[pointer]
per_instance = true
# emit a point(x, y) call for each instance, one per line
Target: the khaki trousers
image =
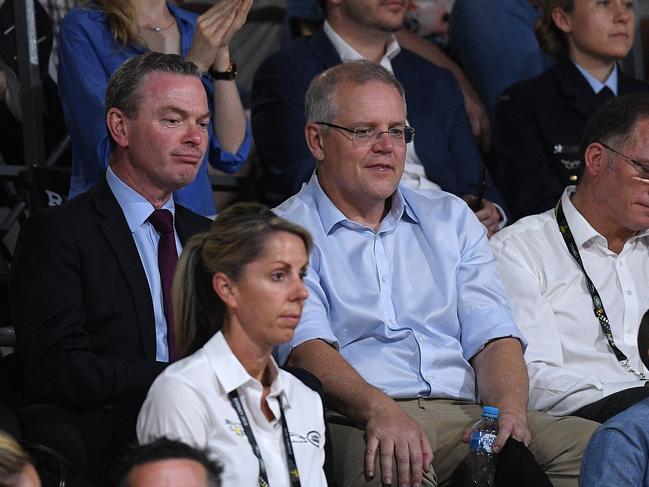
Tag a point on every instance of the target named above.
point(558, 443)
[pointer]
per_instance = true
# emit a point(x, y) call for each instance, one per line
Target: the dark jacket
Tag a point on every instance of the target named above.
point(537, 132)
point(82, 309)
point(443, 140)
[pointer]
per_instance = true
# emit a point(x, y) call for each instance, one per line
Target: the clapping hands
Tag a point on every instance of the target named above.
point(214, 31)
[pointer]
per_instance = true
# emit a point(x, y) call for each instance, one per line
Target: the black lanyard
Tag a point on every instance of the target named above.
point(293, 472)
point(598, 306)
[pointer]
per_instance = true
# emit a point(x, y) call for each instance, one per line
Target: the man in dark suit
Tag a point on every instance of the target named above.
point(445, 153)
point(88, 299)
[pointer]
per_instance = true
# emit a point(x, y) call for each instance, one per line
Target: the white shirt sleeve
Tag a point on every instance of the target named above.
point(553, 387)
point(174, 409)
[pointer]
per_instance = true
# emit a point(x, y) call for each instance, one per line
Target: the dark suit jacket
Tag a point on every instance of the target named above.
point(537, 132)
point(81, 306)
point(443, 139)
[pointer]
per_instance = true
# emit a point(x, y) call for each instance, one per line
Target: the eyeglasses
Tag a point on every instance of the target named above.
point(366, 136)
point(643, 168)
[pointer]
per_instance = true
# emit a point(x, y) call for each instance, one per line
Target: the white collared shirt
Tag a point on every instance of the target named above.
point(569, 360)
point(414, 175)
point(189, 401)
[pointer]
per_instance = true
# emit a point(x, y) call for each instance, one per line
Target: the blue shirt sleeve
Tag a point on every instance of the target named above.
point(82, 79)
point(496, 44)
point(615, 458)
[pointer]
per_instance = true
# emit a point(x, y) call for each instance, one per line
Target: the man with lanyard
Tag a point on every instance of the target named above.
point(577, 275)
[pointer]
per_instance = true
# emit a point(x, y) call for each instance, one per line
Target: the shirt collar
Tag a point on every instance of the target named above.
point(181, 15)
point(399, 209)
point(232, 374)
point(348, 53)
point(136, 208)
point(581, 230)
point(597, 85)
point(330, 215)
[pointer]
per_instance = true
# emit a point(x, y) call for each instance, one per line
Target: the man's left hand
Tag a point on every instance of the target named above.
point(510, 423)
point(488, 214)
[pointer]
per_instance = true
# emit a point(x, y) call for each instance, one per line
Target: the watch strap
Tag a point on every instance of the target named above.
point(230, 72)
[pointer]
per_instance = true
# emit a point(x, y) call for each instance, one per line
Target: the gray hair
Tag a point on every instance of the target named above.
point(319, 102)
point(123, 90)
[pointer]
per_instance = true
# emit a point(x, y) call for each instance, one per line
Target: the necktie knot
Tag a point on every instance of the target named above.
point(162, 221)
point(605, 94)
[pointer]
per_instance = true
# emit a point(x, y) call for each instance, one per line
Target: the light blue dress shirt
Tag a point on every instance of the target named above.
point(137, 209)
point(596, 84)
point(409, 304)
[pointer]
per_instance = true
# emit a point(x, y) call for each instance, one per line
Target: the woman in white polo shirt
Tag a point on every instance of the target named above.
point(239, 291)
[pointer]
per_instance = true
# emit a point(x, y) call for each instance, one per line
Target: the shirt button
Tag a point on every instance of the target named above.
point(629, 292)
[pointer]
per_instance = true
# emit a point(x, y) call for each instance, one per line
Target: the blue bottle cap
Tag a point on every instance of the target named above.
point(490, 411)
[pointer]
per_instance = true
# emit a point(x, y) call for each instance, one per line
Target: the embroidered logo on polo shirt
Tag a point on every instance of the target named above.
point(235, 427)
point(312, 437)
point(297, 438)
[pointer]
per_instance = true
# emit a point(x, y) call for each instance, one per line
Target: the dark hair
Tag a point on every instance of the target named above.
point(123, 90)
point(237, 237)
point(643, 339)
point(614, 122)
point(167, 449)
point(552, 39)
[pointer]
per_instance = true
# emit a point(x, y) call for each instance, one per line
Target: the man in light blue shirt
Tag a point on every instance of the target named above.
point(407, 324)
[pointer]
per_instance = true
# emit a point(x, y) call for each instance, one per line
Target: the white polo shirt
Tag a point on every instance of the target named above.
point(189, 402)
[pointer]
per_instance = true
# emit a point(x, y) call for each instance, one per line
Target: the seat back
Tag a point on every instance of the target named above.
point(47, 186)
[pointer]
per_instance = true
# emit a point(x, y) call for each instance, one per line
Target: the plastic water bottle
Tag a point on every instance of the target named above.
point(481, 461)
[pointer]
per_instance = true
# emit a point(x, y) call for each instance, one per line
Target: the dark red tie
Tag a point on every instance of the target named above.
point(163, 222)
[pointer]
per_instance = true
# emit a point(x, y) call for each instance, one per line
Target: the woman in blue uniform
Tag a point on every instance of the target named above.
point(539, 122)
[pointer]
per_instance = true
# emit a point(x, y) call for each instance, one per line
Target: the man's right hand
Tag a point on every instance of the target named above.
point(391, 433)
